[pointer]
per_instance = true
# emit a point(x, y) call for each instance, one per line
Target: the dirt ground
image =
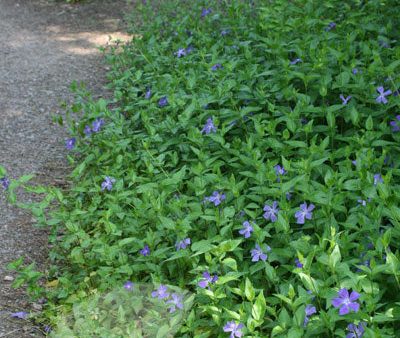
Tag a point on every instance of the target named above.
point(44, 46)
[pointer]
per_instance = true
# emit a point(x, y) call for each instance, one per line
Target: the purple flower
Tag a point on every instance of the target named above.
point(356, 331)
point(148, 94)
point(225, 32)
point(257, 254)
point(246, 230)
point(234, 329)
point(181, 52)
point(354, 71)
point(70, 143)
point(345, 99)
point(271, 212)
point(128, 286)
point(207, 280)
point(370, 245)
point(331, 26)
point(241, 213)
point(87, 131)
point(216, 198)
point(354, 162)
point(182, 244)
point(383, 44)
point(176, 302)
point(310, 310)
point(97, 124)
point(216, 67)
point(161, 292)
point(304, 213)
point(205, 11)
point(298, 263)
point(5, 182)
point(279, 171)
point(209, 127)
point(107, 183)
point(145, 251)
point(163, 102)
point(47, 328)
point(189, 50)
point(20, 315)
point(288, 196)
point(311, 294)
point(362, 202)
point(395, 124)
point(366, 263)
point(295, 61)
point(346, 302)
point(382, 95)
point(378, 179)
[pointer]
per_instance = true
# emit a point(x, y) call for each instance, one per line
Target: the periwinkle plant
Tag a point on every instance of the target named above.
point(263, 134)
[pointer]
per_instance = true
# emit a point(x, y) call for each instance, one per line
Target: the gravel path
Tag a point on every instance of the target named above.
point(44, 46)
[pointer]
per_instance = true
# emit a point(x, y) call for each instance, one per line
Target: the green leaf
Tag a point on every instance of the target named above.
point(249, 290)
point(163, 331)
point(287, 186)
point(259, 307)
point(335, 257)
point(230, 262)
point(277, 330)
point(25, 178)
point(309, 282)
point(354, 115)
point(352, 185)
point(126, 241)
point(227, 246)
point(201, 247)
point(330, 118)
point(295, 332)
point(369, 124)
point(393, 263)
point(3, 171)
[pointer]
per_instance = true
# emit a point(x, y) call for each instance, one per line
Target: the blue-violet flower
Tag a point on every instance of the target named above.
point(304, 213)
point(346, 302)
point(246, 230)
point(234, 329)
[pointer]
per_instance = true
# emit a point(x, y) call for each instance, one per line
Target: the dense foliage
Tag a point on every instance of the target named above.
point(249, 156)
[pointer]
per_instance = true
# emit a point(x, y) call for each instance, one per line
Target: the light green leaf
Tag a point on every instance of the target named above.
point(259, 307)
point(249, 290)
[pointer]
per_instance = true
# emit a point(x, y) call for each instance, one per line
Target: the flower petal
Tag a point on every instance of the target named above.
point(343, 293)
point(354, 296)
point(203, 283)
point(354, 306)
point(336, 302)
point(344, 310)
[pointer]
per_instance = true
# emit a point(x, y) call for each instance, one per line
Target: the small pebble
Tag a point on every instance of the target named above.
point(37, 306)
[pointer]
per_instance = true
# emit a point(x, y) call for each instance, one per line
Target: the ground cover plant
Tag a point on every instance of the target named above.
point(250, 156)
